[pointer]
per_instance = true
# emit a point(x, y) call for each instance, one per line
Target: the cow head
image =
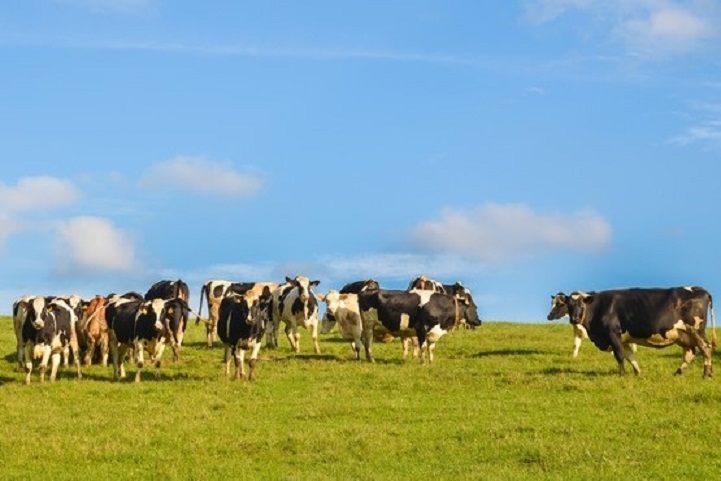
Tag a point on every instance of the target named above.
point(152, 313)
point(303, 284)
point(37, 311)
point(577, 304)
point(426, 284)
point(559, 308)
point(469, 313)
point(332, 302)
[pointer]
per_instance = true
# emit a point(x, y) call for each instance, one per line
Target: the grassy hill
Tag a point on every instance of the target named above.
point(505, 401)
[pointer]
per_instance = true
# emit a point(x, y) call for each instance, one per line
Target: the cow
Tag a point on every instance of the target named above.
point(342, 309)
point(138, 324)
point(92, 330)
point(652, 317)
point(242, 323)
point(358, 286)
point(295, 304)
point(427, 314)
point(175, 319)
point(214, 291)
point(426, 284)
point(20, 312)
point(48, 332)
point(168, 290)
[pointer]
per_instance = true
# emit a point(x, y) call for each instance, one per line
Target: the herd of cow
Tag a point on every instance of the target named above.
point(55, 329)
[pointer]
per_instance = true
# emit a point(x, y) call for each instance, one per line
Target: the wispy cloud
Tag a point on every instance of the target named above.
point(110, 6)
point(37, 193)
point(706, 128)
point(505, 232)
point(201, 176)
point(88, 245)
point(651, 28)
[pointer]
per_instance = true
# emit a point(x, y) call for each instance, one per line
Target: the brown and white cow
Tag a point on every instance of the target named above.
point(92, 331)
point(342, 310)
point(294, 304)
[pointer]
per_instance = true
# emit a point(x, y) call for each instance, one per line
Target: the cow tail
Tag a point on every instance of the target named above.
point(203, 290)
point(713, 324)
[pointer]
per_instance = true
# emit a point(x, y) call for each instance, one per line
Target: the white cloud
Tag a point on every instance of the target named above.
point(706, 129)
point(37, 193)
point(92, 244)
point(202, 176)
point(649, 27)
point(503, 232)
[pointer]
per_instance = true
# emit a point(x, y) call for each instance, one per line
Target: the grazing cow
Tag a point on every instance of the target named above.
point(242, 323)
point(92, 331)
point(168, 290)
point(214, 291)
point(358, 286)
point(294, 304)
point(657, 317)
point(428, 315)
point(176, 321)
point(137, 324)
point(48, 332)
point(342, 309)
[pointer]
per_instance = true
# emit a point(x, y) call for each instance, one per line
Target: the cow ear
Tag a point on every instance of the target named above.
point(314, 283)
point(321, 297)
point(588, 299)
point(288, 279)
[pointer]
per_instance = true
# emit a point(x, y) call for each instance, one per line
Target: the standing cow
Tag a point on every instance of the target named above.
point(93, 331)
point(657, 317)
point(295, 304)
point(343, 310)
point(242, 324)
point(140, 325)
point(175, 318)
point(48, 332)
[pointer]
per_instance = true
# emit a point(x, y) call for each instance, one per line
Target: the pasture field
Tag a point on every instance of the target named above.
point(505, 401)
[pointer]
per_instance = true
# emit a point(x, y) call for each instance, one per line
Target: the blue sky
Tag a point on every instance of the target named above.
point(522, 147)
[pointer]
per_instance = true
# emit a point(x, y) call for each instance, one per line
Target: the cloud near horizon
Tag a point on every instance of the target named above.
point(89, 245)
point(201, 176)
point(498, 233)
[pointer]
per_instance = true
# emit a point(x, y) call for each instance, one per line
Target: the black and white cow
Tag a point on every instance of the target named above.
point(176, 321)
point(243, 320)
point(20, 312)
point(168, 290)
point(427, 314)
point(294, 304)
point(424, 283)
point(656, 317)
point(559, 309)
point(48, 332)
point(358, 286)
point(137, 324)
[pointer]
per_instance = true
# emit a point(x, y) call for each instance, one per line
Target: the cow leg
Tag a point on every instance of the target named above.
point(239, 363)
point(367, 340)
point(314, 335)
point(226, 359)
point(54, 363)
point(406, 342)
point(44, 362)
point(104, 351)
point(139, 347)
point(705, 350)
point(630, 356)
point(619, 355)
point(29, 349)
point(689, 355)
point(20, 347)
point(431, 347)
point(576, 345)
point(356, 345)
point(293, 337)
point(158, 356)
point(89, 351)
point(253, 361)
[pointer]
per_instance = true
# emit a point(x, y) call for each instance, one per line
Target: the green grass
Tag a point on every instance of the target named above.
point(505, 401)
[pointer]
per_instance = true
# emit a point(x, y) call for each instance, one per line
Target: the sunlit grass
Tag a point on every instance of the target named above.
point(503, 401)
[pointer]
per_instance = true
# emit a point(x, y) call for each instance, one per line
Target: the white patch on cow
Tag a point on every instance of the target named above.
point(657, 340)
point(580, 331)
point(689, 288)
point(435, 334)
point(405, 321)
point(425, 295)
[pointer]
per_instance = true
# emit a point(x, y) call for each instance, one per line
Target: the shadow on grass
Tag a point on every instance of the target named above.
point(558, 371)
point(508, 352)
